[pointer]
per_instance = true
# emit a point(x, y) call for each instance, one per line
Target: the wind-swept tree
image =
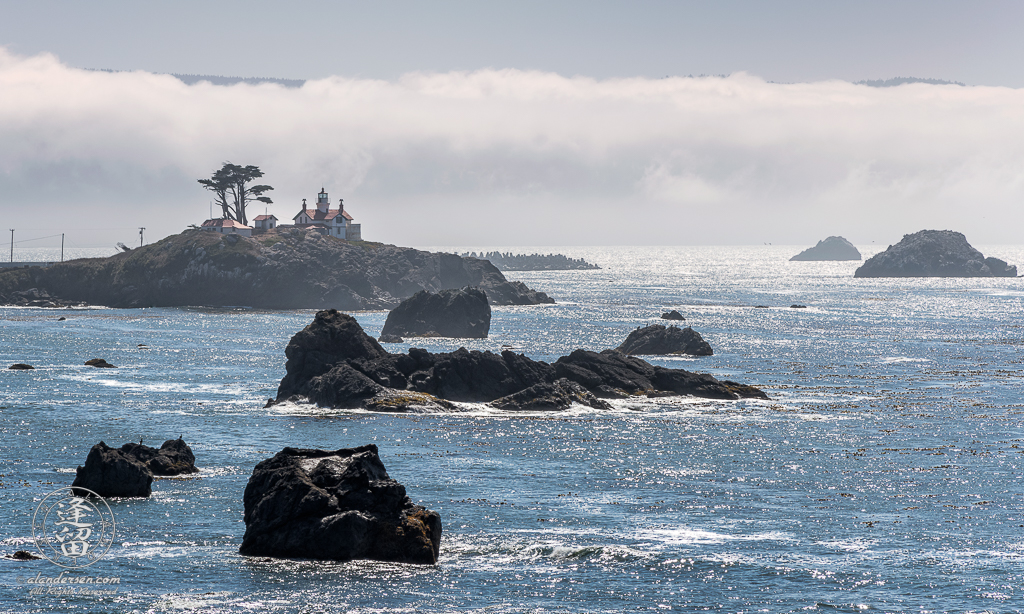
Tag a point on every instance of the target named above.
point(232, 192)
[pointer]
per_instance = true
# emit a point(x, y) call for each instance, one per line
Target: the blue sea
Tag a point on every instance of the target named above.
point(884, 475)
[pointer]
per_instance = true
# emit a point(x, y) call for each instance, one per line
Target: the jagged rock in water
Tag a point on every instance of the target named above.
point(934, 253)
point(390, 339)
point(20, 366)
point(339, 505)
point(332, 362)
point(545, 396)
point(673, 315)
point(110, 472)
point(174, 457)
point(281, 269)
point(99, 363)
point(657, 339)
point(832, 248)
point(449, 313)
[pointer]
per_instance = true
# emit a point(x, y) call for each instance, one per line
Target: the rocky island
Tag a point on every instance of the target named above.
point(281, 269)
point(832, 248)
point(335, 504)
point(934, 253)
point(333, 363)
point(533, 262)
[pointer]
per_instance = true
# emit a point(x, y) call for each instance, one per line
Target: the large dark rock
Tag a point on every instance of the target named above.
point(934, 253)
point(332, 362)
point(673, 315)
point(545, 396)
point(173, 458)
point(281, 269)
point(110, 472)
point(657, 339)
point(832, 248)
point(460, 313)
point(339, 505)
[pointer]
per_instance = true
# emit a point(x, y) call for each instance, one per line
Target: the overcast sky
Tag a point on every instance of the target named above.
point(529, 123)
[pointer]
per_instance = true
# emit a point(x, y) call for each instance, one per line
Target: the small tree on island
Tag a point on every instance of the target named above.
point(231, 192)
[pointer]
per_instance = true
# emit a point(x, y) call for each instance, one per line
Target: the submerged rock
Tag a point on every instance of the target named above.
point(832, 248)
point(99, 363)
point(20, 366)
point(449, 313)
point(333, 363)
point(657, 339)
point(23, 555)
point(934, 253)
point(339, 505)
point(110, 472)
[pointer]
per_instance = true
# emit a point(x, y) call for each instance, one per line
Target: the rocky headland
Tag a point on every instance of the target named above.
point(334, 363)
point(282, 269)
point(462, 313)
point(934, 253)
point(832, 248)
point(338, 505)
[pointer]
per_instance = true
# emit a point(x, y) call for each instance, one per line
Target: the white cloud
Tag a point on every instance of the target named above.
point(519, 157)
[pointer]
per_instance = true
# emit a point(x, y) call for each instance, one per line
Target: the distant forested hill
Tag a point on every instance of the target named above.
point(901, 80)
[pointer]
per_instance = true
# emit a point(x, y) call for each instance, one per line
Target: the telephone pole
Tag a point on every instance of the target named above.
point(12, 245)
point(141, 228)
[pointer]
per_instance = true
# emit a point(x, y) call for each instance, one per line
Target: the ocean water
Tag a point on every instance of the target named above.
point(885, 473)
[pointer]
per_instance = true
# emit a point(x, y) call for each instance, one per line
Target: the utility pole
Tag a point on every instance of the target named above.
point(62, 247)
point(12, 245)
point(141, 228)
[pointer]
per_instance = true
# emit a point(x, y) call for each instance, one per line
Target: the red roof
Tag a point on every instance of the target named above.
point(260, 218)
point(326, 216)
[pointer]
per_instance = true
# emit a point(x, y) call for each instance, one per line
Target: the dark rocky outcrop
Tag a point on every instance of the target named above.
point(20, 366)
point(548, 396)
point(282, 269)
point(657, 339)
point(110, 472)
point(390, 339)
point(23, 555)
point(832, 248)
point(99, 363)
point(934, 253)
point(460, 313)
point(339, 505)
point(174, 457)
point(332, 362)
point(673, 315)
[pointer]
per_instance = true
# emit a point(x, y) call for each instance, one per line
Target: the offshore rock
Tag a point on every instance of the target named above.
point(20, 366)
point(338, 505)
point(99, 363)
point(558, 395)
point(174, 457)
point(672, 315)
point(657, 339)
point(333, 363)
point(449, 313)
point(934, 253)
point(390, 339)
point(832, 248)
point(288, 268)
point(110, 472)
point(23, 555)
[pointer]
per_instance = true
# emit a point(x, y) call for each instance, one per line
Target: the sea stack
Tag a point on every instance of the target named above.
point(832, 248)
point(934, 253)
point(461, 313)
point(339, 505)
